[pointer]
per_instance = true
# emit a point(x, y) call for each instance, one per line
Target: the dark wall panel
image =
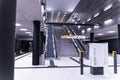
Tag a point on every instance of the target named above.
point(26, 46)
point(112, 44)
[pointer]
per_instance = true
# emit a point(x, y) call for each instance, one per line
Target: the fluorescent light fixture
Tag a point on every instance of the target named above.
point(89, 29)
point(70, 10)
point(96, 27)
point(44, 18)
point(52, 13)
point(49, 9)
point(111, 31)
point(83, 31)
point(79, 19)
point(28, 32)
point(17, 24)
point(63, 17)
point(88, 19)
point(58, 15)
point(108, 21)
point(42, 8)
point(100, 34)
point(108, 7)
point(96, 14)
point(79, 26)
point(23, 29)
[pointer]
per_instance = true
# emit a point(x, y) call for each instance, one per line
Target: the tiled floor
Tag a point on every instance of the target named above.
point(25, 71)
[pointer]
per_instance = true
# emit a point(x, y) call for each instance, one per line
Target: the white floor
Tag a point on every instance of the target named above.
point(24, 70)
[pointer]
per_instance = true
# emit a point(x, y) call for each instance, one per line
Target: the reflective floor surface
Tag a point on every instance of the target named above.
point(64, 69)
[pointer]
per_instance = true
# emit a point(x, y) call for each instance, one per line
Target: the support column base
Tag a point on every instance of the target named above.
point(97, 70)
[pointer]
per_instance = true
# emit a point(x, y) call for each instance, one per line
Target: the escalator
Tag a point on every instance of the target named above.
point(64, 47)
point(80, 43)
point(50, 50)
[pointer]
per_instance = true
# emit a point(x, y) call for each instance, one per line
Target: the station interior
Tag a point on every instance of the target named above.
point(60, 40)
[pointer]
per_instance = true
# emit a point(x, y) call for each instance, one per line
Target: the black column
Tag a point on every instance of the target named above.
point(92, 37)
point(17, 47)
point(81, 60)
point(119, 39)
point(41, 42)
point(36, 43)
point(115, 62)
point(7, 38)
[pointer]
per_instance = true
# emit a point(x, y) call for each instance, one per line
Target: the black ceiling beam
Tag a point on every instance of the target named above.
point(70, 24)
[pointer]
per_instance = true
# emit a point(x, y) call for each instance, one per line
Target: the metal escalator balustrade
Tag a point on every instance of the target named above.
point(77, 48)
point(80, 44)
point(50, 49)
point(84, 47)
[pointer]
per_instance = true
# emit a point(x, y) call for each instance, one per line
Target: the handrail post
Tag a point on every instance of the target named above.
point(81, 61)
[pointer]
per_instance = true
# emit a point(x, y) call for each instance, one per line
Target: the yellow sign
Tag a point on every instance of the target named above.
point(71, 36)
point(80, 52)
point(113, 53)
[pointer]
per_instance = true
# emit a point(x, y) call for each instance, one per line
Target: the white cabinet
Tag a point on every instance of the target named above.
point(98, 55)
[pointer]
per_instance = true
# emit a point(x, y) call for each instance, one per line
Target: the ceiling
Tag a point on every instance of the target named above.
point(73, 11)
point(60, 10)
point(27, 11)
point(97, 12)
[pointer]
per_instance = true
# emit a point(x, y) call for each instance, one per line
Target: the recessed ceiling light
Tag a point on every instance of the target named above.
point(108, 21)
point(28, 32)
point(17, 24)
point(83, 31)
point(23, 29)
point(111, 31)
point(96, 27)
point(79, 26)
point(96, 14)
point(108, 7)
point(100, 34)
point(73, 20)
point(89, 29)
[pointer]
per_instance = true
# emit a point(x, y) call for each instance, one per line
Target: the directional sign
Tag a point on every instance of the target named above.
point(70, 36)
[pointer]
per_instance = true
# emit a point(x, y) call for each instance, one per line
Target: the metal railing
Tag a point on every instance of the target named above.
point(82, 46)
